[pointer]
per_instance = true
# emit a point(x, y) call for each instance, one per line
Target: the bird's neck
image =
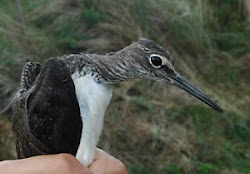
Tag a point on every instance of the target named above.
point(114, 68)
point(108, 69)
point(119, 66)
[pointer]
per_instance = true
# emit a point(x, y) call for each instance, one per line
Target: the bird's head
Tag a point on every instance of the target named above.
point(151, 61)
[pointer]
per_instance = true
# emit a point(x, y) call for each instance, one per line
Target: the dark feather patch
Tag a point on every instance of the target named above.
point(47, 119)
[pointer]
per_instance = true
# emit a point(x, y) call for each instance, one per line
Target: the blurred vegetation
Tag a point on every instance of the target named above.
point(150, 127)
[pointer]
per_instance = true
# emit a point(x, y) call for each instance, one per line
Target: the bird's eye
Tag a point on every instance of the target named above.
point(156, 61)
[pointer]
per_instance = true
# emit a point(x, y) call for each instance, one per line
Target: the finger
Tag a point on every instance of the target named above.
point(86, 171)
point(106, 164)
point(45, 164)
point(38, 164)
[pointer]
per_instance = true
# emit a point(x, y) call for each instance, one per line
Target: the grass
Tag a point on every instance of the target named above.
point(204, 168)
point(232, 144)
point(139, 170)
point(92, 17)
point(230, 75)
point(151, 128)
point(172, 169)
point(228, 26)
point(141, 10)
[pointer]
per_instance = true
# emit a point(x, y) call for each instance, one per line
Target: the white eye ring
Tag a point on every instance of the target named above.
point(156, 60)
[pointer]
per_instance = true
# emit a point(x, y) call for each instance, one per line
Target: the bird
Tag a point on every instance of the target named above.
point(61, 104)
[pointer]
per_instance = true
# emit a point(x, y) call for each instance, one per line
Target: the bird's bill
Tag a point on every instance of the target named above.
point(182, 83)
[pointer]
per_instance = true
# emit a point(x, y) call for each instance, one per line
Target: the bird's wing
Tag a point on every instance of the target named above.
point(51, 111)
point(27, 144)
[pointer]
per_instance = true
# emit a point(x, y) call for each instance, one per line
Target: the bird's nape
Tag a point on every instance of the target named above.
point(182, 83)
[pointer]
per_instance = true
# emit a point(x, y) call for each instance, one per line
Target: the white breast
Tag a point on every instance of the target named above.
point(93, 99)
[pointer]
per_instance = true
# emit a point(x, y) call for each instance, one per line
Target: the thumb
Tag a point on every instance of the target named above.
point(86, 171)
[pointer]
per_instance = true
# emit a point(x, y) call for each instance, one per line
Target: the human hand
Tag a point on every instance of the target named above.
point(63, 164)
point(106, 164)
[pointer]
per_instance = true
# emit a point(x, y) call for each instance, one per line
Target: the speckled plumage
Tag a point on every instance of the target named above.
point(29, 74)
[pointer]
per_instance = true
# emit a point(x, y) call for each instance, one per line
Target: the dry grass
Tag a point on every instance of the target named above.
point(7, 150)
